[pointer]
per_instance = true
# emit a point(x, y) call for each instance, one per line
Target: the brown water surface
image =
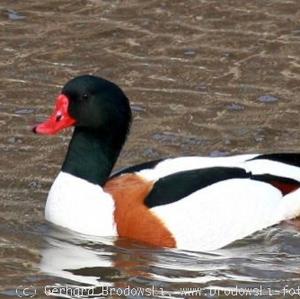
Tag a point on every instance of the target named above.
point(204, 77)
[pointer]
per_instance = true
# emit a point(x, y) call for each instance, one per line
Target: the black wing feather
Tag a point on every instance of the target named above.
point(287, 158)
point(135, 168)
point(179, 185)
point(176, 186)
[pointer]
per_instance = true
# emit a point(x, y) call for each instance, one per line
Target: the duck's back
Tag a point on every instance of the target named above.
point(207, 203)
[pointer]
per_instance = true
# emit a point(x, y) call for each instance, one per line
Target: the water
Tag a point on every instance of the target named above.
point(204, 77)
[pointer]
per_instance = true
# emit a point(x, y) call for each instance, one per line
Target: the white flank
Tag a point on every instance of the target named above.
point(290, 205)
point(174, 165)
point(81, 206)
point(219, 214)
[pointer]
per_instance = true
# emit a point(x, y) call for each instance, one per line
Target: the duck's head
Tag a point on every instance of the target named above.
point(89, 102)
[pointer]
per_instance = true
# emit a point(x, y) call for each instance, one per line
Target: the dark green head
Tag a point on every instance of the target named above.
point(98, 104)
point(101, 115)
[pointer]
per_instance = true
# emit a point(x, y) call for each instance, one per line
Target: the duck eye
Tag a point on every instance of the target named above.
point(85, 96)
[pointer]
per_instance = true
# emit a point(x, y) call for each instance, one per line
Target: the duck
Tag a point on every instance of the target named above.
point(191, 202)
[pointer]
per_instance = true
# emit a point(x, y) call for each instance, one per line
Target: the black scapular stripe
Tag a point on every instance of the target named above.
point(135, 168)
point(179, 185)
point(287, 158)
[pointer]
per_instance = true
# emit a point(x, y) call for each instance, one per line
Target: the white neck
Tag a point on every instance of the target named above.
point(81, 206)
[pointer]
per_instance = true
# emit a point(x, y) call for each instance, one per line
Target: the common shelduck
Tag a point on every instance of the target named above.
point(193, 203)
